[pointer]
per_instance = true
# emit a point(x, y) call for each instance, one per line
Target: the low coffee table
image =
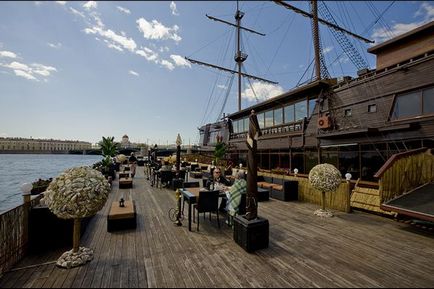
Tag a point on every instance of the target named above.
point(124, 174)
point(125, 183)
point(120, 218)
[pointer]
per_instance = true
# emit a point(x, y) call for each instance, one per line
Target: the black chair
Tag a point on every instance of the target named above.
point(166, 177)
point(208, 202)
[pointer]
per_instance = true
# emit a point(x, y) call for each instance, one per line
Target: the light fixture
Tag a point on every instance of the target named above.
point(295, 171)
point(26, 188)
point(241, 165)
point(348, 176)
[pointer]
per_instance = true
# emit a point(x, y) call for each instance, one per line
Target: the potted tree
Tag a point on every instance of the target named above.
point(76, 193)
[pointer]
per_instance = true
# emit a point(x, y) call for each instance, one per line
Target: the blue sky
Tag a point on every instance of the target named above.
point(83, 70)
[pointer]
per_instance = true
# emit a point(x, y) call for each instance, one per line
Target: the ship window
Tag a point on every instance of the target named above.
point(300, 110)
point(261, 120)
point(428, 101)
point(269, 118)
point(407, 105)
point(348, 112)
point(372, 108)
point(235, 126)
point(289, 113)
point(246, 124)
point(278, 116)
point(240, 126)
point(312, 103)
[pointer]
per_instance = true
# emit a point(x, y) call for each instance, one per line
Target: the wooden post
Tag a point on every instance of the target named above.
point(76, 235)
point(323, 200)
point(26, 206)
point(348, 198)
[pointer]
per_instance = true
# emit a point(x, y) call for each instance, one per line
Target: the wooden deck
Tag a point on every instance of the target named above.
point(348, 250)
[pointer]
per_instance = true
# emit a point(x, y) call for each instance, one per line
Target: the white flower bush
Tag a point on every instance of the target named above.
point(325, 178)
point(77, 193)
point(121, 158)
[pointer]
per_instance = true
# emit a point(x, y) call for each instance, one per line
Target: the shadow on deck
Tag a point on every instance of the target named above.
point(348, 250)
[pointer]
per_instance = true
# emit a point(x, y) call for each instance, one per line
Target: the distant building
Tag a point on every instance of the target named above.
point(41, 145)
point(125, 143)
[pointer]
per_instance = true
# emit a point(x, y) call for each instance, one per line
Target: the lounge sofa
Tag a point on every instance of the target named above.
point(280, 189)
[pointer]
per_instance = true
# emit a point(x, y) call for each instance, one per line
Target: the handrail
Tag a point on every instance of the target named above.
point(389, 163)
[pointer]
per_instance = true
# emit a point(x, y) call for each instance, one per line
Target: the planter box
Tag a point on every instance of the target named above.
point(47, 231)
point(251, 235)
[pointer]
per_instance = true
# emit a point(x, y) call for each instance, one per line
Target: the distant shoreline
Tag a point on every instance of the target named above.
point(20, 152)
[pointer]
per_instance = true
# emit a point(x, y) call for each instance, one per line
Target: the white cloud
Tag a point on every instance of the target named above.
point(149, 54)
point(164, 49)
point(173, 8)
point(426, 10)
point(132, 72)
point(61, 2)
point(327, 49)
point(90, 5)
point(179, 60)
point(29, 71)
point(262, 91)
point(55, 46)
point(38, 3)
point(156, 30)
point(7, 54)
point(114, 46)
point(125, 42)
point(42, 69)
point(169, 65)
point(18, 65)
point(76, 12)
point(24, 74)
point(122, 9)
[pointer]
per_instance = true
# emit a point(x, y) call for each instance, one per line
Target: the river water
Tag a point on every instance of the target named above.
point(17, 169)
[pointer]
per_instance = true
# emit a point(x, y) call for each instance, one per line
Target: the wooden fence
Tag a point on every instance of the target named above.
point(404, 172)
point(14, 233)
point(339, 200)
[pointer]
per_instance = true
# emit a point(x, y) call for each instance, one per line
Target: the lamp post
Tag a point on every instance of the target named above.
point(178, 160)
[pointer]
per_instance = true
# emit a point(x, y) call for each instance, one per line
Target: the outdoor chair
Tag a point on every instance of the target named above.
point(208, 202)
point(166, 177)
point(241, 209)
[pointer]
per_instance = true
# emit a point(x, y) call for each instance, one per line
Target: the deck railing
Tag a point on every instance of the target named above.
point(14, 233)
point(405, 171)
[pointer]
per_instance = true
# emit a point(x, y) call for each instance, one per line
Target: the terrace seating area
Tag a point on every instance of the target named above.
point(348, 250)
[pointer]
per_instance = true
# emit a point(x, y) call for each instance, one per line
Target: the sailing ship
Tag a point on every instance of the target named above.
point(356, 124)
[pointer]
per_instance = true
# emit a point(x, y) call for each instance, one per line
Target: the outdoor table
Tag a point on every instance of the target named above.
point(121, 217)
point(124, 174)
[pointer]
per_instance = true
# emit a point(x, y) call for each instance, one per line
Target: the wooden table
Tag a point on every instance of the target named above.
point(125, 183)
point(121, 217)
point(124, 174)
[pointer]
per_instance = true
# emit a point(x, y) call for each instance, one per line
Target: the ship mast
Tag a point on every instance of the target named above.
point(239, 58)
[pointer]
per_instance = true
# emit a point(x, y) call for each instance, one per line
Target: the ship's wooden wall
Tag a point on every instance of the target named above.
point(400, 52)
point(379, 90)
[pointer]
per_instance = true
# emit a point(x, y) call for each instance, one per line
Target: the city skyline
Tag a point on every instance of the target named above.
point(83, 70)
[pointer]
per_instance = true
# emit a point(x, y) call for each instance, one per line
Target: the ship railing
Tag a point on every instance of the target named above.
point(295, 127)
point(14, 230)
point(405, 171)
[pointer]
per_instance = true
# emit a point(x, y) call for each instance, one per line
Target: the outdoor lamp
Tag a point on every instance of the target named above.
point(122, 203)
point(26, 188)
point(348, 176)
point(295, 171)
point(241, 165)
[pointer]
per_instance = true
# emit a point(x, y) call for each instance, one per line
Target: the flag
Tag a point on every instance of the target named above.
point(254, 130)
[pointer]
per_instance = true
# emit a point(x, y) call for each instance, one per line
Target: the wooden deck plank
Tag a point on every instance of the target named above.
point(348, 250)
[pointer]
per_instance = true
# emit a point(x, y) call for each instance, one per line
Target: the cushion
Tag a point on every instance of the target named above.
point(277, 187)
